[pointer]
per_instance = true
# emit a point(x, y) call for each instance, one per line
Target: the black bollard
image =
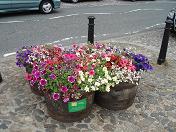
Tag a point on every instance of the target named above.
point(164, 45)
point(91, 29)
point(0, 78)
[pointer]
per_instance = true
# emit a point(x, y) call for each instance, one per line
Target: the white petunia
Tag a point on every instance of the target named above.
point(93, 88)
point(81, 73)
point(79, 81)
point(97, 84)
point(108, 77)
point(105, 69)
point(93, 60)
point(77, 53)
point(82, 78)
point(107, 59)
point(104, 81)
point(113, 84)
point(108, 87)
point(90, 80)
point(86, 89)
point(114, 78)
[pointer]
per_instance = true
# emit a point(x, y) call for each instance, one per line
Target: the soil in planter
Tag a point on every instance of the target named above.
point(36, 90)
point(66, 112)
point(120, 97)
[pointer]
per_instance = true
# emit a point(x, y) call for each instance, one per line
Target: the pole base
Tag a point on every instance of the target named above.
point(160, 61)
point(0, 78)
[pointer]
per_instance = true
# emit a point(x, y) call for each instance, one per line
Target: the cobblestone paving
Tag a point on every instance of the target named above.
point(154, 108)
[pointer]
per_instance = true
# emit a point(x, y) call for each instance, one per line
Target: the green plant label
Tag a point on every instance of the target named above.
point(77, 106)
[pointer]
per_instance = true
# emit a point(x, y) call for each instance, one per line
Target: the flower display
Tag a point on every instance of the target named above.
point(66, 74)
point(107, 66)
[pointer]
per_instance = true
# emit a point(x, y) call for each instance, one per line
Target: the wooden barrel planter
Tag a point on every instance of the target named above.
point(70, 111)
point(35, 89)
point(120, 97)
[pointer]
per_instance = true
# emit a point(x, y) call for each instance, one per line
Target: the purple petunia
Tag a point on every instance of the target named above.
point(147, 66)
point(56, 96)
point(140, 58)
point(52, 76)
point(43, 82)
point(71, 79)
point(142, 63)
point(22, 56)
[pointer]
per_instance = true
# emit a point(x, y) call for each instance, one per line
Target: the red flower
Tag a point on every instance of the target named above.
point(108, 65)
point(85, 68)
point(114, 58)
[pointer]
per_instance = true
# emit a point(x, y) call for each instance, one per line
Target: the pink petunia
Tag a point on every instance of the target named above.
point(91, 72)
point(36, 67)
point(43, 82)
point(93, 66)
point(43, 72)
point(66, 100)
point(64, 89)
point(123, 62)
point(70, 56)
point(51, 68)
point(56, 96)
point(104, 55)
point(37, 74)
point(28, 76)
point(71, 79)
point(131, 68)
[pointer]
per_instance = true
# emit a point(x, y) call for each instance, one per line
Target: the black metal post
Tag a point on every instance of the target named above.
point(164, 45)
point(91, 29)
point(0, 78)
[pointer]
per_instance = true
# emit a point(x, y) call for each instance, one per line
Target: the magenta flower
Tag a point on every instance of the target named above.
point(52, 76)
point(70, 56)
point(51, 68)
point(71, 79)
point(43, 72)
point(56, 96)
point(34, 79)
point(64, 89)
point(59, 67)
point(33, 71)
point(32, 83)
point(66, 100)
point(37, 74)
point(36, 67)
point(43, 82)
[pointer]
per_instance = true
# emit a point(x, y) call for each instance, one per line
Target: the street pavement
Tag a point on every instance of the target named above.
point(154, 108)
point(69, 24)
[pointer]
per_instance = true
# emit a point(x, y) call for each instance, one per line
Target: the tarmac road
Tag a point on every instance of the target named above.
point(69, 24)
